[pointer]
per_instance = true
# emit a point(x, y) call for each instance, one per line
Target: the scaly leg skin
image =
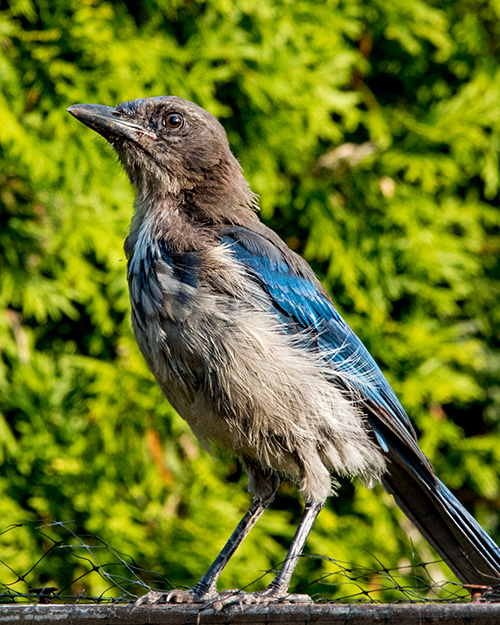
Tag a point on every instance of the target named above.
point(278, 588)
point(206, 589)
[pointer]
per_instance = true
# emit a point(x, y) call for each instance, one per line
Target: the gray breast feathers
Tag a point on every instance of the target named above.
point(226, 365)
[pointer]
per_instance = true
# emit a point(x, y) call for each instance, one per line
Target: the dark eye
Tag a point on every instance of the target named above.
point(173, 120)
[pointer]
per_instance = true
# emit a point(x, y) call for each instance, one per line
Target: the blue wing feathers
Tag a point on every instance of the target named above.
point(298, 298)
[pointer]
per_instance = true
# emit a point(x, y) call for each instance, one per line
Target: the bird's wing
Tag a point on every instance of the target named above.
point(296, 295)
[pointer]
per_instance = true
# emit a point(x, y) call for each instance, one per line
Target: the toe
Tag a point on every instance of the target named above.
point(153, 596)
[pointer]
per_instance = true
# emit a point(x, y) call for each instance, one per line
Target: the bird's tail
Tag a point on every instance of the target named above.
point(457, 537)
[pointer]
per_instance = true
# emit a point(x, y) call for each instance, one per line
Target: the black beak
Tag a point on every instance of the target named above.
point(108, 122)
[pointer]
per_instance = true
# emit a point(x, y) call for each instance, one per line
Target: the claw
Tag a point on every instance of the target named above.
point(182, 596)
point(155, 597)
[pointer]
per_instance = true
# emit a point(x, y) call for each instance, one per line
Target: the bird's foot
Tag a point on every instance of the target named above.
point(155, 597)
point(218, 600)
point(241, 598)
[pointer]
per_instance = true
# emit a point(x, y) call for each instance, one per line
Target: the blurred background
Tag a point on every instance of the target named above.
point(371, 131)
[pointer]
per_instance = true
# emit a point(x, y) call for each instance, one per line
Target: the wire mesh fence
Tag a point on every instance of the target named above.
point(95, 564)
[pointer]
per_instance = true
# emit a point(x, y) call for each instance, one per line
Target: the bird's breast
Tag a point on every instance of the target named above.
point(237, 375)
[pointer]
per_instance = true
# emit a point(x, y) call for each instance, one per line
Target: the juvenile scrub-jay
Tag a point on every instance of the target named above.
point(249, 349)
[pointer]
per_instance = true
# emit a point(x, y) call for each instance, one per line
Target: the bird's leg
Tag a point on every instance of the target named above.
point(208, 582)
point(279, 586)
point(206, 588)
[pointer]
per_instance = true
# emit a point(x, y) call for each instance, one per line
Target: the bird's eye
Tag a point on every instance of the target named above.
point(174, 120)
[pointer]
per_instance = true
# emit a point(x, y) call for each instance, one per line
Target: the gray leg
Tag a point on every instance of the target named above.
point(206, 587)
point(279, 586)
point(208, 582)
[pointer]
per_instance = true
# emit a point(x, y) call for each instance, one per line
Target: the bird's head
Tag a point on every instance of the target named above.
point(171, 147)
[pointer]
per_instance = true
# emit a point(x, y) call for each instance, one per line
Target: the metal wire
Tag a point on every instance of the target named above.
point(126, 581)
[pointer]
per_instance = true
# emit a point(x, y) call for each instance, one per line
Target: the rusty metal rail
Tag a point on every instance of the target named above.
point(297, 614)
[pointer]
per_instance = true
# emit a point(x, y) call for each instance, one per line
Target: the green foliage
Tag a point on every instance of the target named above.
point(401, 222)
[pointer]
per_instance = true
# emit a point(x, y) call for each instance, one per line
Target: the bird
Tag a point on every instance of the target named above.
point(249, 349)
